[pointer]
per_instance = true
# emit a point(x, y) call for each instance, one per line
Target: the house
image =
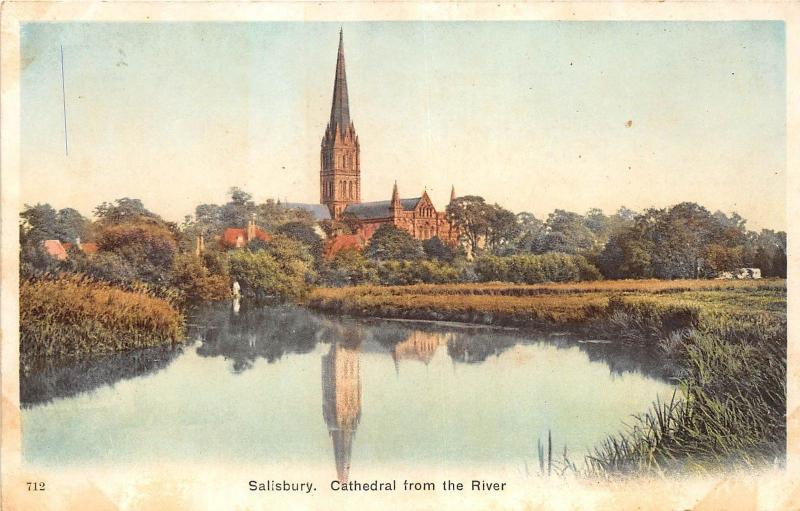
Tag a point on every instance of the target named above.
point(58, 250)
point(741, 273)
point(234, 237)
point(342, 243)
point(55, 249)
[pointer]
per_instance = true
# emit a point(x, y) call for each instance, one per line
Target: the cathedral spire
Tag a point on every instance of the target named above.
point(395, 196)
point(453, 193)
point(340, 107)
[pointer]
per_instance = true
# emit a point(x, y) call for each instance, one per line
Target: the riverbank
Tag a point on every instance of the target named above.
point(74, 318)
point(728, 339)
point(636, 310)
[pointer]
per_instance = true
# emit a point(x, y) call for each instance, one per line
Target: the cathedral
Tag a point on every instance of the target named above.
point(340, 180)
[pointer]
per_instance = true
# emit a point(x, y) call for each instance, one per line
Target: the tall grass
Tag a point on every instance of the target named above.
point(731, 412)
point(71, 316)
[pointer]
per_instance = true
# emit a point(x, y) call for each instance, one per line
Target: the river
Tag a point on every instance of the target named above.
point(283, 384)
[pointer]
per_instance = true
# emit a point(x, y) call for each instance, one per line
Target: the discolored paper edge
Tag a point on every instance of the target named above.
point(208, 486)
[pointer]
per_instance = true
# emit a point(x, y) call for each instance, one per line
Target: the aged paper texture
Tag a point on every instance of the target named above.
point(399, 255)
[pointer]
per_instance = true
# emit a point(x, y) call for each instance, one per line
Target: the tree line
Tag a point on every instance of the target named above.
point(137, 247)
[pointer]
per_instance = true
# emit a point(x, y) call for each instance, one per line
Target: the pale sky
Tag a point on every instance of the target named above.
point(532, 115)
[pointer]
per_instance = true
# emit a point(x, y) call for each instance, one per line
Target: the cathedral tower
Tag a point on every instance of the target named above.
point(340, 158)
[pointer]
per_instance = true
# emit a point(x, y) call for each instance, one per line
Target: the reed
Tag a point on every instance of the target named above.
point(72, 317)
point(731, 412)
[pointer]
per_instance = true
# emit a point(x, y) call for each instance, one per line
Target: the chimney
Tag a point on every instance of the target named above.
point(200, 245)
point(78, 242)
point(251, 228)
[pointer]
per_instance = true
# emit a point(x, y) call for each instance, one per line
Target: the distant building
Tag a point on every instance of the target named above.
point(55, 249)
point(58, 250)
point(234, 237)
point(741, 273)
point(342, 243)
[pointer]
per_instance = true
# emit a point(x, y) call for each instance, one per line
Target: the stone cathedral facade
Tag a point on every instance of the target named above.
point(340, 179)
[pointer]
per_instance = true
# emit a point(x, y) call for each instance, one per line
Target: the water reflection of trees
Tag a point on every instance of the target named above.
point(253, 333)
point(61, 382)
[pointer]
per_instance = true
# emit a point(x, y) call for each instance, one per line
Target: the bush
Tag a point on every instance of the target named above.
point(149, 248)
point(71, 316)
point(396, 273)
point(195, 281)
point(534, 269)
point(348, 268)
point(392, 243)
point(261, 275)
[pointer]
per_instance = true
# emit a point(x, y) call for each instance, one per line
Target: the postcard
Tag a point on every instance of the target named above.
point(399, 255)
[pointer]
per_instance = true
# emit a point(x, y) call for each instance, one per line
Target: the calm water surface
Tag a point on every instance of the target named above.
point(285, 385)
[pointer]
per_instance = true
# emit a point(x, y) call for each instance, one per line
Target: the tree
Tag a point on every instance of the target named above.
point(238, 211)
point(39, 223)
point(503, 229)
point(597, 222)
point(196, 283)
point(71, 225)
point(470, 215)
point(531, 232)
point(305, 234)
point(436, 249)
point(261, 275)
point(122, 210)
point(348, 268)
point(389, 242)
point(567, 233)
point(149, 248)
point(680, 235)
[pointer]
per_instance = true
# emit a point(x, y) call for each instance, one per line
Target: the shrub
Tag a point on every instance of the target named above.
point(348, 268)
point(195, 281)
point(392, 243)
point(72, 316)
point(261, 275)
point(149, 248)
point(534, 269)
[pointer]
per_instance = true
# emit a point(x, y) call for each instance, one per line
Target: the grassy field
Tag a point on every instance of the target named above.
point(728, 338)
point(623, 305)
point(70, 317)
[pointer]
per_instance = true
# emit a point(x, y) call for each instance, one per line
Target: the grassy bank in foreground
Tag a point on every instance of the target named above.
point(728, 338)
point(70, 317)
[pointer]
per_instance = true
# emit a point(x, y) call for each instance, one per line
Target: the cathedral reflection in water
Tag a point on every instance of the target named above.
point(341, 386)
point(341, 402)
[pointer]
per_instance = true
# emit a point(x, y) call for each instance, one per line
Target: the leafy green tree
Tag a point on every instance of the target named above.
point(193, 279)
point(42, 222)
point(531, 232)
point(566, 233)
point(305, 234)
point(149, 248)
point(71, 225)
point(435, 248)
point(471, 216)
point(389, 242)
point(122, 210)
point(503, 229)
point(261, 275)
point(348, 268)
point(680, 235)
